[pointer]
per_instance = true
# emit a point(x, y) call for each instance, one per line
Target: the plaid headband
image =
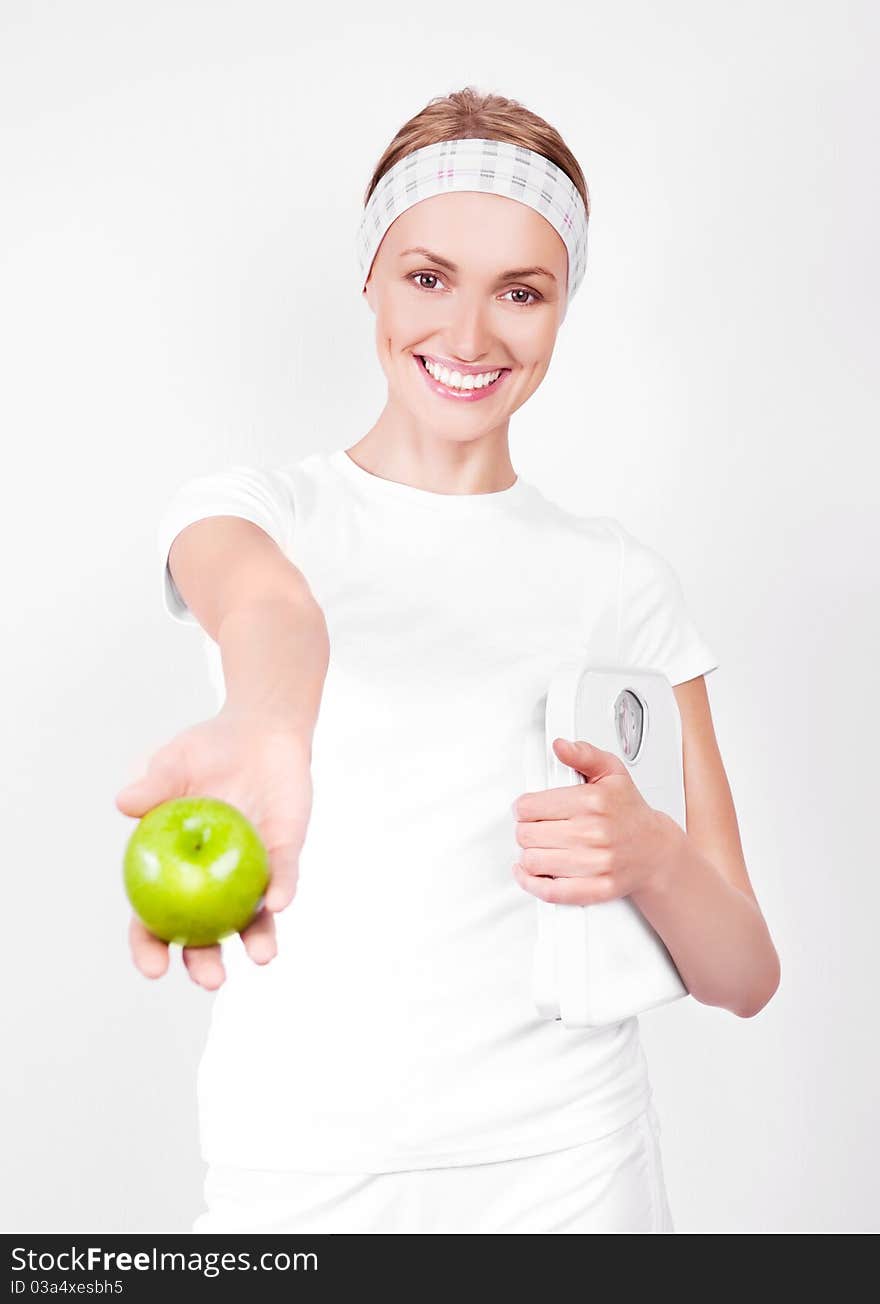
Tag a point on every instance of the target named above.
point(494, 166)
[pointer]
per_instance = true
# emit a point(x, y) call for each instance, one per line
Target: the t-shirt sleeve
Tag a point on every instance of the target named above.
point(655, 628)
point(258, 494)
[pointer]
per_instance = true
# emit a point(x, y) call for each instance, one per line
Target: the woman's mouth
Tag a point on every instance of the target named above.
point(483, 387)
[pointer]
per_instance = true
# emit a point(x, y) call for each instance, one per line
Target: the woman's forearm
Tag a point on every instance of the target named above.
point(716, 935)
point(275, 652)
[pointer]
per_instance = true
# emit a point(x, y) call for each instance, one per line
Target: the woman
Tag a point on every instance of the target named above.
point(388, 1070)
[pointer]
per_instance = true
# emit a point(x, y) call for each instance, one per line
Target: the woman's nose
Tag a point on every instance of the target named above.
point(470, 338)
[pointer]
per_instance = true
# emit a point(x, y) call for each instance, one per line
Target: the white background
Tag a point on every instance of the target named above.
point(182, 185)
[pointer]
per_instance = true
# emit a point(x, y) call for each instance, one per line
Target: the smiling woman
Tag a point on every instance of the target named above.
point(467, 284)
point(388, 1070)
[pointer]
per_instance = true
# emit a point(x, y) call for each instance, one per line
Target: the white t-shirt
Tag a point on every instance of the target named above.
point(396, 1028)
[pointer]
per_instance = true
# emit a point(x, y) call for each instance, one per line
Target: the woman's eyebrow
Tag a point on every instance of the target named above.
point(514, 274)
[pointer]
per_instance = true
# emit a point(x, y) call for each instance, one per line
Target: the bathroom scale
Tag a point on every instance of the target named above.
point(600, 963)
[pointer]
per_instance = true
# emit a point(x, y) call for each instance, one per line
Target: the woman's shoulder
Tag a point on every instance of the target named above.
point(587, 526)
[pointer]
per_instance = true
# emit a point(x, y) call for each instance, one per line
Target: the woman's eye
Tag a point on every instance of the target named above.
point(522, 290)
point(431, 276)
point(417, 277)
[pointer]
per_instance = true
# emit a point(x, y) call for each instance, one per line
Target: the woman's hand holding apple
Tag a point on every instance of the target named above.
point(264, 770)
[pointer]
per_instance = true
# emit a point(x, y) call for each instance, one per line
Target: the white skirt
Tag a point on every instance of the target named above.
point(612, 1184)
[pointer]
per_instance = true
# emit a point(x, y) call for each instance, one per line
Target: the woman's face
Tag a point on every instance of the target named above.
point(477, 301)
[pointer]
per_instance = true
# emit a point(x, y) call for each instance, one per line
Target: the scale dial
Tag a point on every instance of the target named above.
point(629, 722)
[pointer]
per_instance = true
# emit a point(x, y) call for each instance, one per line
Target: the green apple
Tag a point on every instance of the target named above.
point(195, 870)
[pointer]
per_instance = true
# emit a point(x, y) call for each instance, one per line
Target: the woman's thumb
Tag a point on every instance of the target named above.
point(283, 871)
point(163, 780)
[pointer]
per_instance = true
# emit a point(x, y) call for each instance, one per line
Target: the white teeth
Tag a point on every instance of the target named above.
point(454, 380)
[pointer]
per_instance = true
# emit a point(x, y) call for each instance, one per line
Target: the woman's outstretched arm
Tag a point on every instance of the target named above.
point(255, 753)
point(260, 610)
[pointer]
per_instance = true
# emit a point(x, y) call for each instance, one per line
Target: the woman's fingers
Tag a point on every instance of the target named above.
point(259, 938)
point(149, 952)
point(205, 965)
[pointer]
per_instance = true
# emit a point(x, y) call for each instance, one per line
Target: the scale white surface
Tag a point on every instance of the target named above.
point(601, 963)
